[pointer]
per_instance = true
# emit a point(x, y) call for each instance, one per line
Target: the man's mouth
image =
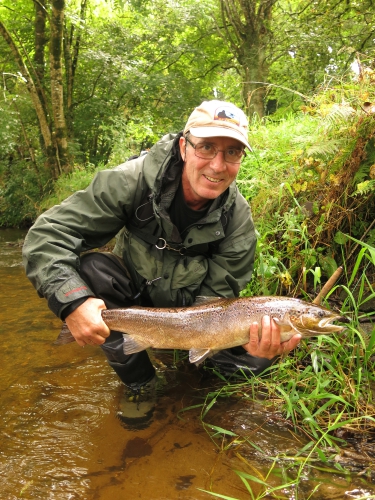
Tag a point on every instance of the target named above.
point(211, 179)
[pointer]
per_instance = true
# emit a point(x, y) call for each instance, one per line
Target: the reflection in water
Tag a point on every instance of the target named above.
point(60, 438)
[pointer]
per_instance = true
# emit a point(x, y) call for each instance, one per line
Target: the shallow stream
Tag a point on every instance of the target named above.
point(60, 437)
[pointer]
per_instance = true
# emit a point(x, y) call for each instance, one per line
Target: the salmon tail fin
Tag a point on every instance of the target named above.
point(65, 336)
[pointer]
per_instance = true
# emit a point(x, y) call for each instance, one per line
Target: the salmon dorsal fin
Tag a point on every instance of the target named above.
point(198, 355)
point(132, 346)
point(201, 300)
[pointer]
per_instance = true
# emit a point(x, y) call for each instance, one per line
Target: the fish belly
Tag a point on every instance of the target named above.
point(180, 330)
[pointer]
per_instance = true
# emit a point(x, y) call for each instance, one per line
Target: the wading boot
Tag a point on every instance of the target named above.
point(137, 405)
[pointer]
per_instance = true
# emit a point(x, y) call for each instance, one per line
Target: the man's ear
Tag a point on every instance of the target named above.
point(182, 145)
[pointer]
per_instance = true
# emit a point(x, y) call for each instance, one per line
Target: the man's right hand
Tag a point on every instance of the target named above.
point(86, 323)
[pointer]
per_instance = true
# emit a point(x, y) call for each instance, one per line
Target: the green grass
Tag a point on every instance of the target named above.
point(325, 391)
point(68, 184)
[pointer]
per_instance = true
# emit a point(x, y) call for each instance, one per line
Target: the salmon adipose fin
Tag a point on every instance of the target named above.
point(202, 300)
point(132, 346)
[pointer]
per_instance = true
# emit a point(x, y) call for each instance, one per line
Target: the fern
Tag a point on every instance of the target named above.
point(343, 156)
point(338, 114)
point(362, 174)
point(365, 187)
point(326, 147)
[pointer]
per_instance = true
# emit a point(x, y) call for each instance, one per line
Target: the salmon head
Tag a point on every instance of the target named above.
point(311, 320)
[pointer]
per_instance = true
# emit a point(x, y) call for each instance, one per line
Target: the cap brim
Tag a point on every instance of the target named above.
point(204, 132)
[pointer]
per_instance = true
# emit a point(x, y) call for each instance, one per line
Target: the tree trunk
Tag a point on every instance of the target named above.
point(40, 39)
point(57, 89)
point(72, 45)
point(255, 72)
point(34, 94)
point(246, 28)
point(53, 130)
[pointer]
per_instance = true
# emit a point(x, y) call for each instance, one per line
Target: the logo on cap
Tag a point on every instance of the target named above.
point(226, 114)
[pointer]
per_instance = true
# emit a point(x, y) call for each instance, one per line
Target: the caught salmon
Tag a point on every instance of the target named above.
point(213, 323)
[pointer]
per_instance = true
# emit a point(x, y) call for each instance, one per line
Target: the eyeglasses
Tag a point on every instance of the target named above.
point(208, 151)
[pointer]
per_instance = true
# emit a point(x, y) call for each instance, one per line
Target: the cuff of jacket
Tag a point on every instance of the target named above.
point(70, 291)
point(69, 308)
point(237, 359)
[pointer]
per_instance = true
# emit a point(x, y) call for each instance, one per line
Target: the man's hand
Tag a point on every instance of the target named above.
point(86, 323)
point(269, 346)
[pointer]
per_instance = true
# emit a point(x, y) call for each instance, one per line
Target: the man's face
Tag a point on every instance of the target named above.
point(206, 179)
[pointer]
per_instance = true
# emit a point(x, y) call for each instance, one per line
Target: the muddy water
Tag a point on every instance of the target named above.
point(60, 437)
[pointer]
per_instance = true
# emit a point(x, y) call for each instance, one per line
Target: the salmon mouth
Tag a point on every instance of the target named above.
point(324, 326)
point(326, 323)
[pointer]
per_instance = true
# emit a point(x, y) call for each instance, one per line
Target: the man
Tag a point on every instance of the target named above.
point(183, 230)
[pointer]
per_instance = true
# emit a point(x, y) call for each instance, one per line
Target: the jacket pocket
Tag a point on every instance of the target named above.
point(189, 271)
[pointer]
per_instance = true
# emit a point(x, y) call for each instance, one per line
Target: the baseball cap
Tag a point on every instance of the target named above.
point(218, 119)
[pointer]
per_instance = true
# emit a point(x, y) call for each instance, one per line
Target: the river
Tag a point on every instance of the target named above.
point(60, 437)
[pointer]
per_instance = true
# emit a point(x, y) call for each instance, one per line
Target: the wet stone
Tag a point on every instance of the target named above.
point(184, 482)
point(136, 448)
point(180, 447)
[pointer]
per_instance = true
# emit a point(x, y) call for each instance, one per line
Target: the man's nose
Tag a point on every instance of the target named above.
point(218, 163)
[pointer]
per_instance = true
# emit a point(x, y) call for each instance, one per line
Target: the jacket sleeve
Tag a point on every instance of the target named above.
point(231, 264)
point(88, 219)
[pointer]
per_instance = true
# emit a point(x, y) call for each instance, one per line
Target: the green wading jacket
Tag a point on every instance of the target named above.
point(215, 258)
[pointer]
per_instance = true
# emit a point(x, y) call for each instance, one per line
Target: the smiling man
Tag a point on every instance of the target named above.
point(183, 230)
point(208, 170)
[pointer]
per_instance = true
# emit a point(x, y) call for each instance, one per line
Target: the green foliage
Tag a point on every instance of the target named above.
point(142, 66)
point(22, 188)
point(67, 184)
point(365, 187)
point(313, 40)
point(305, 173)
point(150, 66)
point(8, 131)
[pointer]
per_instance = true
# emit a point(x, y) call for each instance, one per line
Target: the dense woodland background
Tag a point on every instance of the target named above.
point(87, 83)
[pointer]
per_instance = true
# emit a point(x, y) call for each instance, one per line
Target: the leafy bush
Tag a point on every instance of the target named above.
point(23, 186)
point(309, 179)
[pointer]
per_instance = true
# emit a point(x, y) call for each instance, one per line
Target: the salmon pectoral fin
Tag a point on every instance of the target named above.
point(132, 346)
point(65, 336)
point(198, 355)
